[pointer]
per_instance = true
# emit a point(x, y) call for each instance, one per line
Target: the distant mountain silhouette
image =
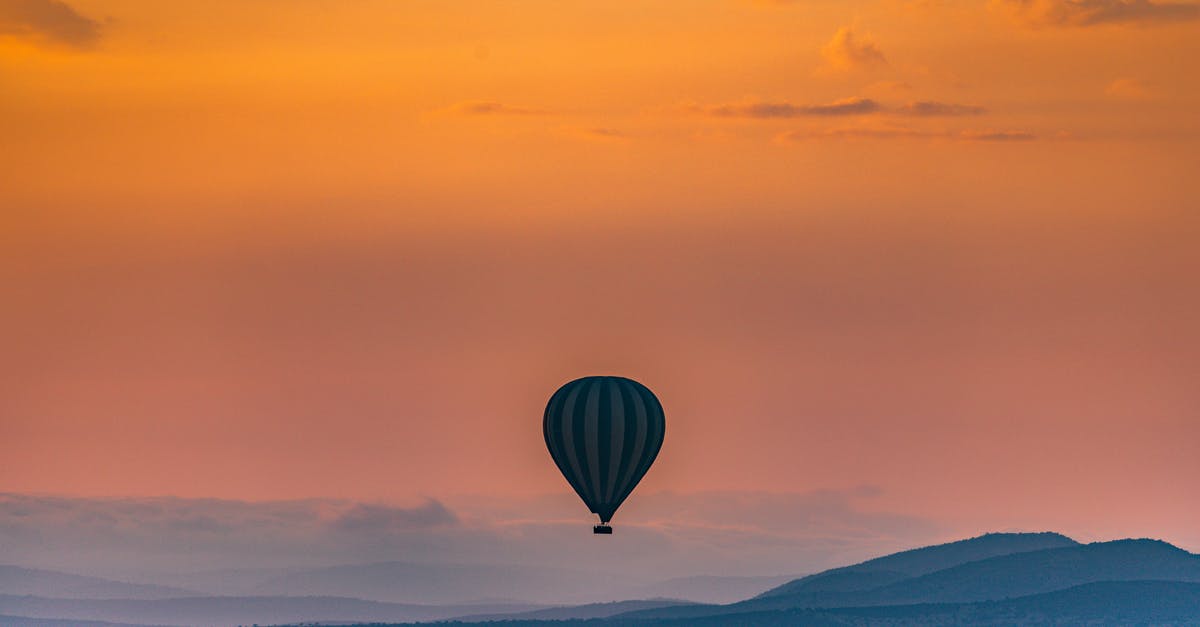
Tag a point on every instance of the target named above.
point(590, 610)
point(1103, 604)
point(18, 580)
point(407, 582)
point(709, 588)
point(846, 586)
point(1106, 602)
point(23, 621)
point(1096, 604)
point(1035, 572)
point(1013, 579)
point(222, 582)
point(238, 610)
point(905, 564)
point(1018, 574)
point(996, 578)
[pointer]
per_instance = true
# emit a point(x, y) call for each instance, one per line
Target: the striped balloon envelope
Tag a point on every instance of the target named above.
point(603, 433)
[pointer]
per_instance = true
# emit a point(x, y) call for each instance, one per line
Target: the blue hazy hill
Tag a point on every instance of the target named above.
point(235, 610)
point(1035, 572)
point(905, 564)
point(1014, 579)
point(846, 586)
point(996, 579)
point(1003, 576)
point(18, 580)
point(1101, 604)
point(589, 610)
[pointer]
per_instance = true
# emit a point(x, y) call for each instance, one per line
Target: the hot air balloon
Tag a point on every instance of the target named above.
point(603, 433)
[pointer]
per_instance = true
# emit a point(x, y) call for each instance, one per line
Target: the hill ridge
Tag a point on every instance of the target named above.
point(994, 577)
point(977, 547)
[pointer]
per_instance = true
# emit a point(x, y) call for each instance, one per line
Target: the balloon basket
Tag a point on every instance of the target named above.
point(602, 529)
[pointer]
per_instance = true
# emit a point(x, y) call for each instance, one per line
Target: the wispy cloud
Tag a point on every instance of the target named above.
point(845, 107)
point(930, 108)
point(1128, 89)
point(1057, 13)
point(996, 136)
point(851, 51)
point(48, 22)
point(663, 534)
point(851, 133)
point(901, 132)
point(596, 133)
point(368, 518)
point(491, 107)
point(774, 110)
point(610, 133)
point(889, 86)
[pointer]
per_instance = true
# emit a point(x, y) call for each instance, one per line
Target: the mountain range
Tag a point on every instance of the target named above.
point(1001, 578)
point(1013, 579)
point(15, 580)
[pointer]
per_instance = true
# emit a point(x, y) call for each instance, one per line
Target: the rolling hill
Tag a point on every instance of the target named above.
point(16, 580)
point(1001, 577)
point(987, 569)
point(237, 610)
point(590, 610)
point(847, 586)
point(24, 621)
point(1102, 604)
point(1036, 572)
point(1013, 579)
point(709, 588)
point(905, 564)
point(405, 582)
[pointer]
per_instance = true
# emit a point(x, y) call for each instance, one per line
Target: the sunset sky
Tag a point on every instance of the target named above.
point(936, 258)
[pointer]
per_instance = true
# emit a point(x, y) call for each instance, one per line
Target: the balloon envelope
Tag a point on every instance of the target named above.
point(603, 433)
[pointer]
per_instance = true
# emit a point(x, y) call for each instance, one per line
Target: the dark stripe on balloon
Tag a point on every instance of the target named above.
point(630, 398)
point(591, 438)
point(551, 430)
point(570, 440)
point(552, 427)
point(654, 434)
point(578, 444)
point(604, 422)
point(616, 436)
point(639, 444)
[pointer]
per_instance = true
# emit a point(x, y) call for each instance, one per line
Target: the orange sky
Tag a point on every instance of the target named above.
point(290, 249)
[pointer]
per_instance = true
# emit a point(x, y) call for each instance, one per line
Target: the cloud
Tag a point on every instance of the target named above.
point(772, 110)
point(853, 133)
point(889, 86)
point(663, 534)
point(840, 108)
point(610, 133)
point(596, 134)
point(929, 108)
point(489, 107)
point(1058, 13)
point(848, 51)
point(366, 518)
point(1128, 89)
point(48, 22)
point(900, 132)
point(996, 136)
